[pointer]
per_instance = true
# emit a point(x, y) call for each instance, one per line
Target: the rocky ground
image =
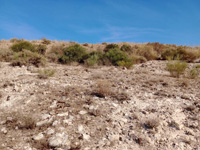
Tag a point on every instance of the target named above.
point(103, 108)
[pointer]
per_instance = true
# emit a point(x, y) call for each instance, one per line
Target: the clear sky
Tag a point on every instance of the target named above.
point(97, 21)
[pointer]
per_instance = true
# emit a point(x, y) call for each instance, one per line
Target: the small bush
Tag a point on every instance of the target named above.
point(197, 66)
point(126, 48)
point(45, 41)
point(102, 89)
point(15, 40)
point(85, 44)
point(110, 46)
point(41, 49)
point(18, 47)
point(152, 123)
point(128, 64)
point(179, 53)
point(176, 68)
point(138, 59)
point(6, 55)
point(116, 57)
point(74, 53)
point(44, 74)
point(193, 73)
point(159, 48)
point(27, 58)
point(148, 52)
point(92, 60)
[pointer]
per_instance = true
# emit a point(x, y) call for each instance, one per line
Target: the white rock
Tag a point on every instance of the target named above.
point(80, 128)
point(38, 137)
point(41, 123)
point(60, 139)
point(4, 130)
point(45, 116)
point(63, 114)
point(50, 131)
point(83, 112)
point(86, 137)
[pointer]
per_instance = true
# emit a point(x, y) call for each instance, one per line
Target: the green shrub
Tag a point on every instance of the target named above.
point(128, 64)
point(110, 46)
point(193, 73)
point(41, 49)
point(27, 58)
point(74, 53)
point(179, 53)
point(116, 56)
point(197, 66)
point(45, 41)
point(92, 60)
point(126, 48)
point(18, 47)
point(176, 68)
point(45, 73)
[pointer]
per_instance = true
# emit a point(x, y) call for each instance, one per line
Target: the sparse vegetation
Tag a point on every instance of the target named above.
point(193, 73)
point(102, 88)
point(45, 41)
point(18, 47)
point(126, 48)
point(147, 52)
point(46, 73)
point(152, 123)
point(176, 68)
point(27, 58)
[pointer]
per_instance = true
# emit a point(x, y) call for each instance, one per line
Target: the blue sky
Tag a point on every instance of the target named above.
point(97, 21)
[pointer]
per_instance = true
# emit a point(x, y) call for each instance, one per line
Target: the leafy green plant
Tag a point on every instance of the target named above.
point(92, 60)
point(176, 68)
point(18, 47)
point(27, 58)
point(116, 57)
point(45, 73)
point(74, 53)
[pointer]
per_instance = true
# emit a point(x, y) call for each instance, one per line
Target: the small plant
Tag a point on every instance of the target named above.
point(6, 55)
point(111, 46)
point(176, 68)
point(45, 41)
point(41, 49)
point(148, 52)
point(128, 64)
point(18, 47)
point(103, 89)
point(152, 123)
point(27, 58)
point(74, 53)
point(44, 74)
point(118, 57)
point(85, 44)
point(197, 66)
point(92, 60)
point(138, 59)
point(126, 48)
point(193, 73)
point(15, 40)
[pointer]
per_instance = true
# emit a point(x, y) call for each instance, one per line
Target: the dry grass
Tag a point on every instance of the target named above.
point(102, 88)
point(152, 123)
point(46, 73)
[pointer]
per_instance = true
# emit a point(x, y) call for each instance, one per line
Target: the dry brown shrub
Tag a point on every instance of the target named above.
point(152, 123)
point(148, 52)
point(102, 88)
